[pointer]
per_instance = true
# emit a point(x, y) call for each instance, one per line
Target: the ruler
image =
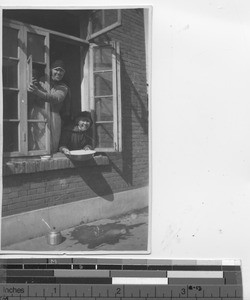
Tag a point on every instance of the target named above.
point(92, 279)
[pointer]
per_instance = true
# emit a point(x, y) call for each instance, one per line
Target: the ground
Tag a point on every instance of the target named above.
point(124, 233)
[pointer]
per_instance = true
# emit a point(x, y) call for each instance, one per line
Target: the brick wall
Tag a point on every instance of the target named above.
point(126, 170)
point(134, 95)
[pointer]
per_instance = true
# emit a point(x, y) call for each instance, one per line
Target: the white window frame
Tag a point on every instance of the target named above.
point(23, 73)
point(90, 103)
point(18, 89)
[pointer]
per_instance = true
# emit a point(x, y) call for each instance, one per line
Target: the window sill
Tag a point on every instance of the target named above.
point(58, 161)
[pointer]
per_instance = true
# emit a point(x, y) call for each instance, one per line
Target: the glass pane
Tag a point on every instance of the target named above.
point(103, 18)
point(102, 58)
point(10, 104)
point(38, 71)
point(10, 73)
point(10, 42)
point(110, 17)
point(10, 136)
point(36, 136)
point(36, 109)
point(104, 109)
point(103, 84)
point(104, 134)
point(36, 47)
point(97, 22)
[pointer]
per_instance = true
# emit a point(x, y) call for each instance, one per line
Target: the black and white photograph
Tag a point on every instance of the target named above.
point(125, 149)
point(76, 130)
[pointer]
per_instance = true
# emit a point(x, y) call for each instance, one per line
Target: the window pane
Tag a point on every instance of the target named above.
point(103, 18)
point(102, 58)
point(104, 109)
point(36, 136)
point(36, 47)
point(110, 17)
point(103, 84)
point(10, 104)
point(10, 136)
point(10, 42)
point(104, 134)
point(36, 109)
point(97, 22)
point(10, 73)
point(38, 71)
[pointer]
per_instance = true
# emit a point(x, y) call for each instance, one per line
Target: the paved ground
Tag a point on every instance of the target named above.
point(124, 233)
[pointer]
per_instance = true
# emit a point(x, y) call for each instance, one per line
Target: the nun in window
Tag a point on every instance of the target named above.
point(56, 96)
point(77, 135)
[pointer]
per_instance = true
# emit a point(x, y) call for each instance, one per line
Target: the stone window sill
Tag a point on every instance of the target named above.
point(58, 161)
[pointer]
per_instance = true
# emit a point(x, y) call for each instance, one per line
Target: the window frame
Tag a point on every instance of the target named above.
point(116, 85)
point(86, 78)
point(44, 33)
point(20, 59)
point(22, 80)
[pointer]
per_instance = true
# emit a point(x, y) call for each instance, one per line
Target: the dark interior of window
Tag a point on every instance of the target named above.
point(70, 54)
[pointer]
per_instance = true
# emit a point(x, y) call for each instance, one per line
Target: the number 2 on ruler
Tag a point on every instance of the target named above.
point(118, 291)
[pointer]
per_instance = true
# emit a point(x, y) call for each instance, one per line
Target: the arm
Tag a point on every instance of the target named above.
point(64, 142)
point(64, 150)
point(55, 96)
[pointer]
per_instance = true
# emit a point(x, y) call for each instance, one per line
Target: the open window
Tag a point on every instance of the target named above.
point(25, 120)
point(27, 52)
point(93, 76)
point(105, 96)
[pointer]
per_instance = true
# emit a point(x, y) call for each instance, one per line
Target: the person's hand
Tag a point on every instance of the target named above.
point(35, 81)
point(66, 151)
point(36, 89)
point(87, 148)
point(33, 88)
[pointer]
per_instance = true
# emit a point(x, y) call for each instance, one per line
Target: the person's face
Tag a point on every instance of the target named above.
point(57, 74)
point(83, 124)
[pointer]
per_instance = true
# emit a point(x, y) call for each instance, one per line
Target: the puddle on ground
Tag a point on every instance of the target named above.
point(96, 235)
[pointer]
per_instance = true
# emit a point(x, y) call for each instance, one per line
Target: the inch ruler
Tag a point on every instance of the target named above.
point(92, 279)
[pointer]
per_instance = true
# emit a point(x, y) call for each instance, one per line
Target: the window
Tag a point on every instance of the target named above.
point(93, 75)
point(105, 98)
point(25, 121)
point(102, 21)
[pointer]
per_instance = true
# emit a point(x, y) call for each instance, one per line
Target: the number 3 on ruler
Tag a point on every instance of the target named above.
point(183, 291)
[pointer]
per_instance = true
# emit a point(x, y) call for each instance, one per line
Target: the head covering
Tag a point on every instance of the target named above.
point(84, 114)
point(58, 64)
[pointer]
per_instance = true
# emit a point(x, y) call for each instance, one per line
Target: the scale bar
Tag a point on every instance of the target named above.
point(138, 280)
point(195, 274)
point(82, 273)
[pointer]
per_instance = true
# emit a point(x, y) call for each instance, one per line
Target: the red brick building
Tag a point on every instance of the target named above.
point(105, 55)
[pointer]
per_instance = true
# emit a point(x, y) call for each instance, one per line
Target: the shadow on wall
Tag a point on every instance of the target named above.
point(132, 104)
point(132, 100)
point(93, 177)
